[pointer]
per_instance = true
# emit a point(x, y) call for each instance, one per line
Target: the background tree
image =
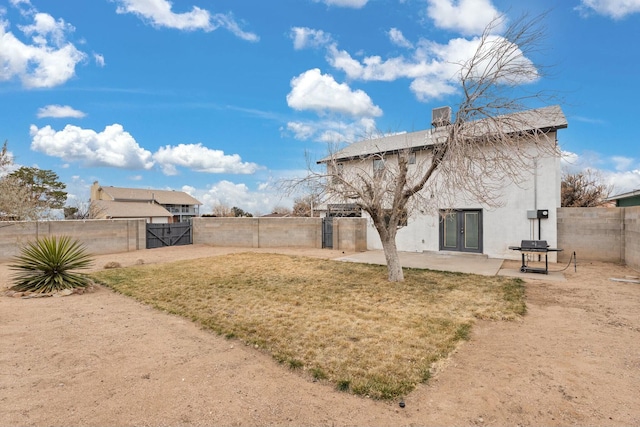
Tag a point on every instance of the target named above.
point(5, 159)
point(237, 212)
point(281, 210)
point(304, 205)
point(15, 201)
point(584, 189)
point(83, 210)
point(222, 210)
point(476, 155)
point(44, 191)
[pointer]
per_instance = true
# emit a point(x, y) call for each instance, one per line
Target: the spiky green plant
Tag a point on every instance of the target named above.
point(47, 265)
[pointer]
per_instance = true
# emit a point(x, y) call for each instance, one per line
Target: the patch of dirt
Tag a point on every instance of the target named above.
point(103, 359)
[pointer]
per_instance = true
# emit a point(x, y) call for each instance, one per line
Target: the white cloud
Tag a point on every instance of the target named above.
point(228, 22)
point(396, 37)
point(624, 178)
point(302, 131)
point(319, 92)
point(570, 161)
point(623, 163)
point(49, 61)
point(112, 147)
point(615, 9)
point(623, 182)
point(160, 14)
point(99, 59)
point(240, 195)
point(354, 4)
point(45, 28)
point(428, 88)
point(333, 131)
point(60, 111)
point(304, 37)
point(200, 159)
point(434, 68)
point(465, 16)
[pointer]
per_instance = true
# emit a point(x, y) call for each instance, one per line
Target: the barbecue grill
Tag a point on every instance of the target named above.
point(534, 247)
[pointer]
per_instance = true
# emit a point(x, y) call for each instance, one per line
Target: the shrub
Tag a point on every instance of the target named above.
point(47, 265)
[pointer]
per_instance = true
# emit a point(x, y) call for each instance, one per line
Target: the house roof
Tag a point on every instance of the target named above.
point(627, 195)
point(546, 119)
point(164, 197)
point(114, 209)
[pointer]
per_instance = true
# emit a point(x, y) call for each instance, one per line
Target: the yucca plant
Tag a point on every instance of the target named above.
point(47, 265)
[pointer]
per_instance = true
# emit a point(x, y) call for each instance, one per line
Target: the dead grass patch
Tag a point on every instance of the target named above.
point(340, 322)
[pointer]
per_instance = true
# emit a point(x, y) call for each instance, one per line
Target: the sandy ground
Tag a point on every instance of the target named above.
point(102, 359)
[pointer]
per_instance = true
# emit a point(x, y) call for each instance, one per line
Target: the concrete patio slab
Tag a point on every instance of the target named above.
point(455, 262)
point(461, 263)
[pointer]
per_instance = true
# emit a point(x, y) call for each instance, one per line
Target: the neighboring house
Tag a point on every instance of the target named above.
point(632, 198)
point(527, 212)
point(155, 206)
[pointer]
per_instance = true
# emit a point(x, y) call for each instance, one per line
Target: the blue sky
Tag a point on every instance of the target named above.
point(224, 98)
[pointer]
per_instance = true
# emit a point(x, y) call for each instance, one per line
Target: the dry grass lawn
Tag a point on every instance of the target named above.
point(339, 322)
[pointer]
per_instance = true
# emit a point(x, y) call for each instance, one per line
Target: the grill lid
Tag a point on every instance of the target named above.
point(537, 245)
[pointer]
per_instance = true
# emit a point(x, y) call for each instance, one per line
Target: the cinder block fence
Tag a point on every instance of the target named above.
point(595, 234)
point(600, 234)
point(114, 236)
point(99, 236)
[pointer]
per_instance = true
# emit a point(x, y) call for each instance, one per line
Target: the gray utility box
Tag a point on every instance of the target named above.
point(539, 214)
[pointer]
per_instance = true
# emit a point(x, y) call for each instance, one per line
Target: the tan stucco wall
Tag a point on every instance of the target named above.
point(98, 236)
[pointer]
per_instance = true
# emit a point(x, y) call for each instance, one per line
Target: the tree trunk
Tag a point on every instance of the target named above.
point(393, 260)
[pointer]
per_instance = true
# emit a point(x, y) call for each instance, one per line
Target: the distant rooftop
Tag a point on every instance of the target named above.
point(626, 195)
point(114, 209)
point(163, 197)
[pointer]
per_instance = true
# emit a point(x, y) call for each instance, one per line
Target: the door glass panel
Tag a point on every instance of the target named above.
point(471, 234)
point(451, 230)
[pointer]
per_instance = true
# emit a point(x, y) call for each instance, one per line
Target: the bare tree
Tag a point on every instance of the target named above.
point(281, 210)
point(5, 159)
point(490, 143)
point(222, 210)
point(584, 189)
point(304, 206)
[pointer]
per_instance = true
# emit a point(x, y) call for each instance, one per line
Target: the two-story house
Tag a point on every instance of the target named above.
point(461, 223)
point(155, 206)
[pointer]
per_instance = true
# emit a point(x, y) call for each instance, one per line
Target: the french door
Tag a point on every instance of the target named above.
point(461, 230)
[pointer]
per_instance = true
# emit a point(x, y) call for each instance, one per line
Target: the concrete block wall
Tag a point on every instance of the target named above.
point(258, 232)
point(98, 236)
point(232, 232)
point(595, 234)
point(290, 232)
point(632, 236)
point(350, 234)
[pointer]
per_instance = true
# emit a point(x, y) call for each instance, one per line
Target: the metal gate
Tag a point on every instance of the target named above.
point(327, 232)
point(160, 235)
